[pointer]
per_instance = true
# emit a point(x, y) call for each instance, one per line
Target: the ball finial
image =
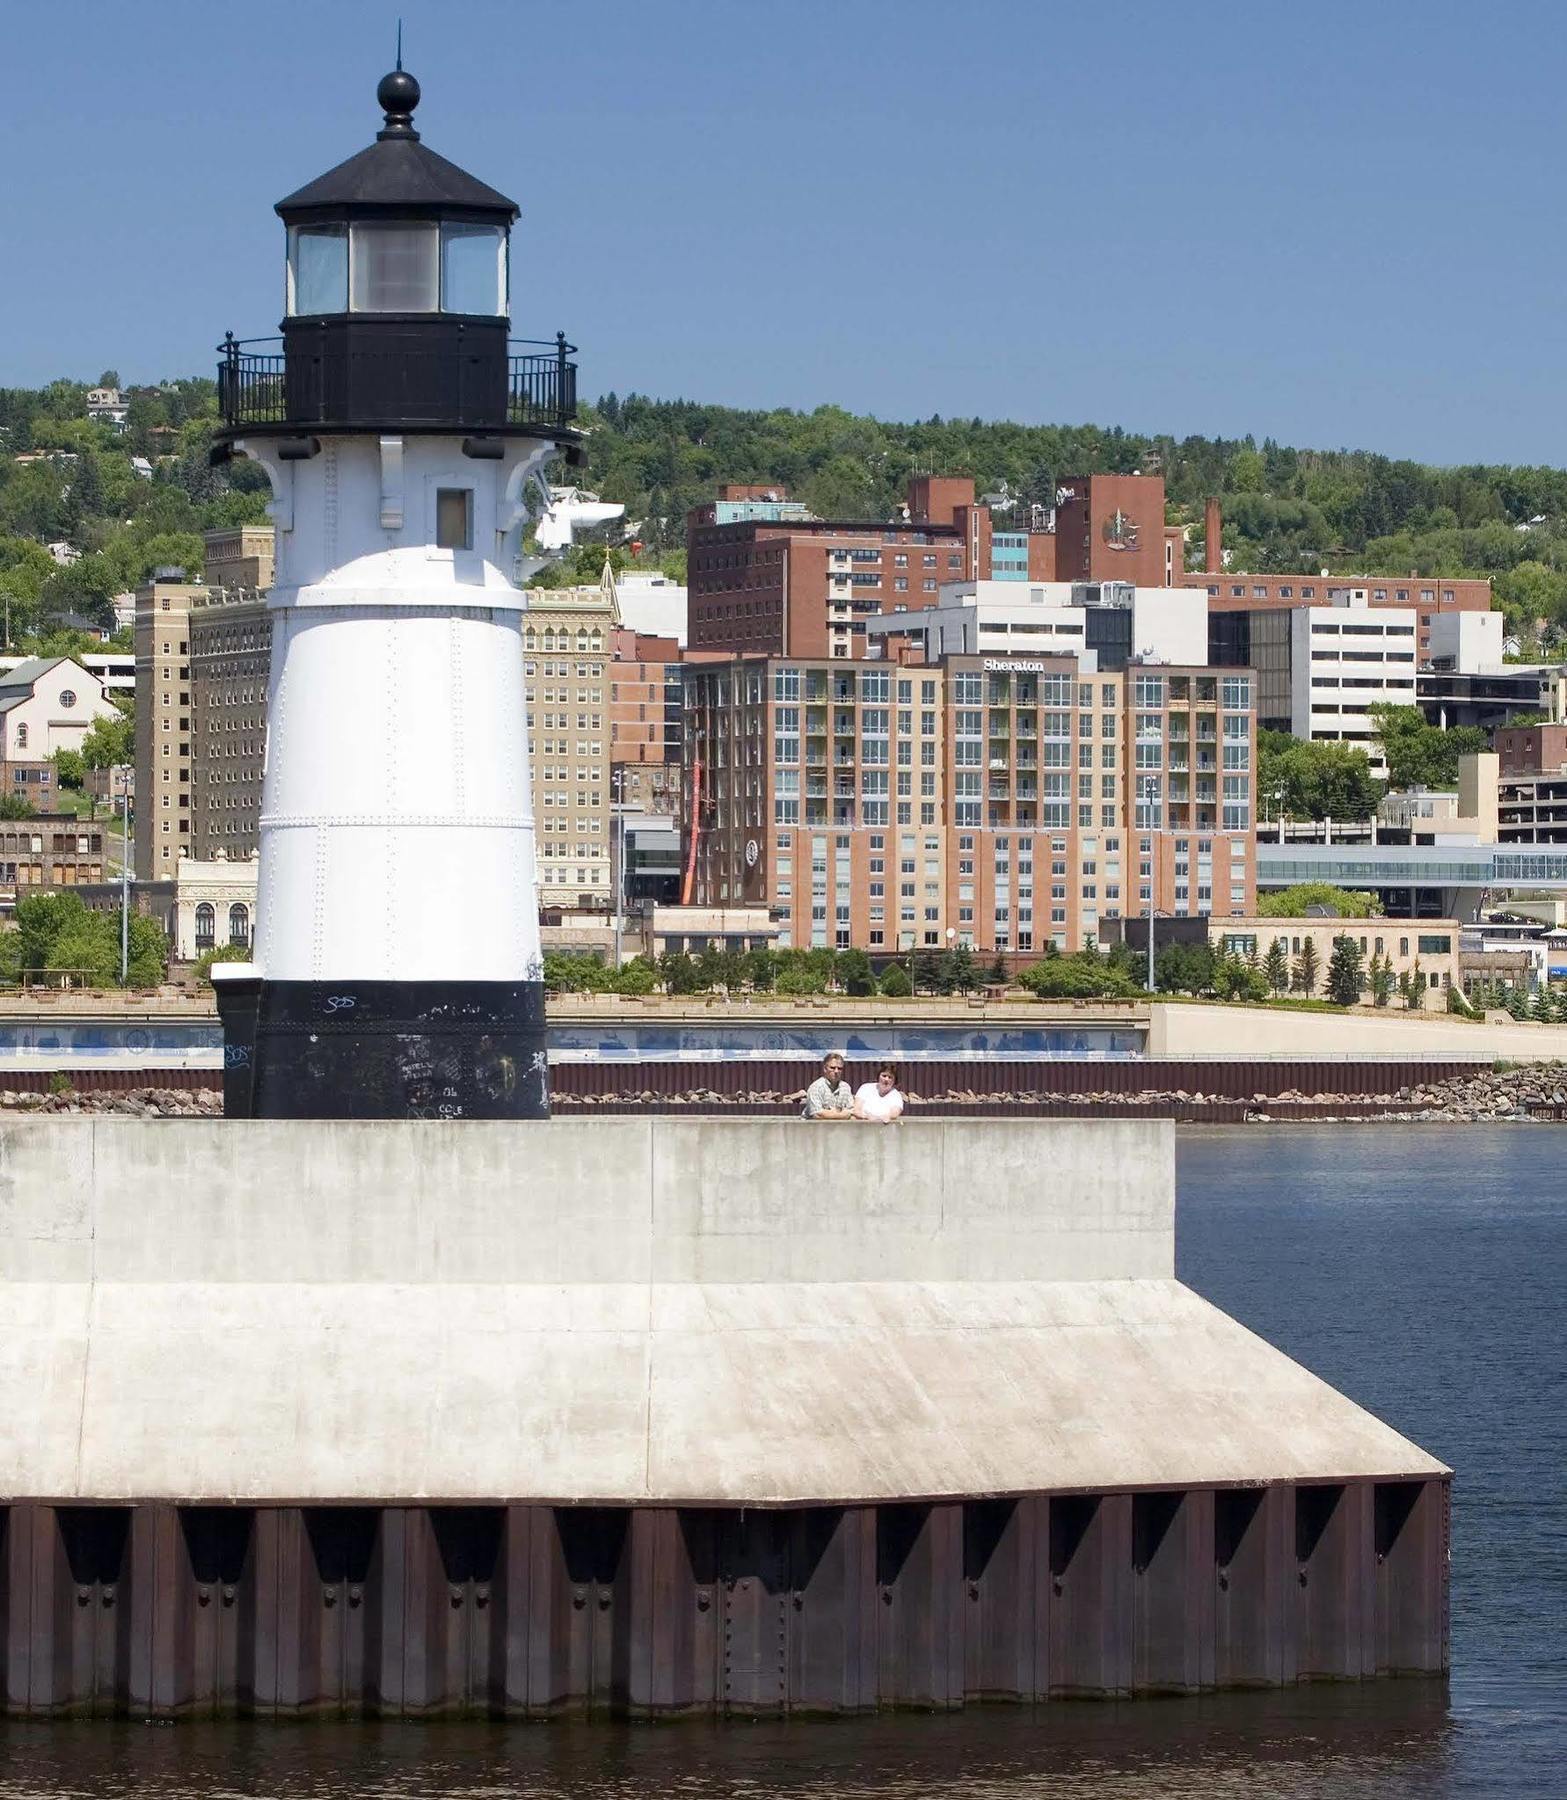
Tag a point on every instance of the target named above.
point(397, 96)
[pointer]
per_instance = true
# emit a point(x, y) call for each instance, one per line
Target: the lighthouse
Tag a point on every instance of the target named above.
point(397, 969)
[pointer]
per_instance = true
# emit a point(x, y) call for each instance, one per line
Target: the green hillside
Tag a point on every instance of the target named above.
point(1285, 509)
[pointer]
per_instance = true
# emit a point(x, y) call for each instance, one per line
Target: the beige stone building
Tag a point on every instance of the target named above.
point(163, 727)
point(1426, 948)
point(566, 654)
point(230, 659)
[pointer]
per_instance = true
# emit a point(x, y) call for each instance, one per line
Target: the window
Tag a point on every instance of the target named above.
point(239, 924)
point(1434, 946)
point(318, 269)
point(454, 518)
point(394, 268)
point(473, 269)
point(206, 924)
point(68, 696)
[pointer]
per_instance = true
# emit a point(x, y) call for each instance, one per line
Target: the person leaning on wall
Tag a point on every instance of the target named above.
point(829, 1095)
point(880, 1102)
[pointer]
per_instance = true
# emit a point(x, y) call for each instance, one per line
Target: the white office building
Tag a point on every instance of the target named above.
point(1344, 659)
point(1113, 621)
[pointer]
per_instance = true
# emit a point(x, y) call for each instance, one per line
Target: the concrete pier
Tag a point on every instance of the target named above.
point(660, 1415)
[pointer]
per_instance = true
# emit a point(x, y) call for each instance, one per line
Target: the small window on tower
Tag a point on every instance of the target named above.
point(454, 518)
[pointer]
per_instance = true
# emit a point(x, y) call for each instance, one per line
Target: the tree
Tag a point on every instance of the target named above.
point(853, 973)
point(1185, 969)
point(110, 742)
point(712, 969)
point(1294, 902)
point(1346, 976)
point(960, 973)
point(57, 932)
point(761, 970)
point(1422, 755)
point(13, 806)
point(1307, 966)
point(1318, 781)
point(1276, 967)
point(1380, 979)
point(221, 953)
point(927, 973)
point(1077, 977)
point(1412, 985)
point(1237, 978)
point(69, 768)
point(677, 972)
point(895, 983)
point(636, 977)
point(798, 975)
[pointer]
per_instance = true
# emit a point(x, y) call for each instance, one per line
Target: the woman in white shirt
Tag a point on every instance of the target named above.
point(879, 1102)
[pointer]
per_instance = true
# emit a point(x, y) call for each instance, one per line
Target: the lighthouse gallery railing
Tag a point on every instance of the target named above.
point(258, 384)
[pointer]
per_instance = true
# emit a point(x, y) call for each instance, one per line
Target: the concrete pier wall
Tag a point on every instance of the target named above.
point(660, 1415)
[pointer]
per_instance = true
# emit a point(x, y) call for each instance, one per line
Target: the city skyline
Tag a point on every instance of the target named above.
point(1266, 226)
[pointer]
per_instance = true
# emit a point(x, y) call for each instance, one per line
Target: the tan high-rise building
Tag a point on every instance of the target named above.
point(230, 660)
point(163, 727)
point(566, 651)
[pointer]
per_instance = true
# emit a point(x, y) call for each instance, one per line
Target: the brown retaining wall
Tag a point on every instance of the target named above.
point(516, 1611)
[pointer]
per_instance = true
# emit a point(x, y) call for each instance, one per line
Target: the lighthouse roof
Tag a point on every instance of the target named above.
point(397, 174)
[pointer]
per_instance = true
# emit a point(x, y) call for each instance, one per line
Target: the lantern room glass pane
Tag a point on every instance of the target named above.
point(318, 269)
point(395, 268)
point(473, 261)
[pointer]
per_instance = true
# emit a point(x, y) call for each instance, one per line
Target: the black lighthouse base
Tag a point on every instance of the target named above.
point(383, 1049)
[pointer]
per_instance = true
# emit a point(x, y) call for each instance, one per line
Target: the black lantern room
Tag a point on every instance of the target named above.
point(397, 305)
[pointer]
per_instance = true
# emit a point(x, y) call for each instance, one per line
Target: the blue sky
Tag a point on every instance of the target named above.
point(1332, 224)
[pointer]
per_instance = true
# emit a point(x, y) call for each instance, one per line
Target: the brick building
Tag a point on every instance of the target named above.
point(1532, 749)
point(764, 580)
point(644, 720)
point(53, 850)
point(1012, 802)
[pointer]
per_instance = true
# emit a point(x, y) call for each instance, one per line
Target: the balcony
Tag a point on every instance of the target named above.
point(369, 372)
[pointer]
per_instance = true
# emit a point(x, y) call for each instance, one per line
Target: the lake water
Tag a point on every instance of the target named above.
point(1419, 1268)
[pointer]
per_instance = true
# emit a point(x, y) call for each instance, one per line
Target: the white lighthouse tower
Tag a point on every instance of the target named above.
point(397, 970)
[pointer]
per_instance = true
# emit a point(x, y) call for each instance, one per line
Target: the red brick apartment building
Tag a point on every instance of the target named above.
point(1010, 802)
point(804, 587)
point(1235, 589)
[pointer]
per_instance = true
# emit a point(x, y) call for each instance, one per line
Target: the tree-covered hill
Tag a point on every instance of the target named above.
point(66, 479)
point(1285, 509)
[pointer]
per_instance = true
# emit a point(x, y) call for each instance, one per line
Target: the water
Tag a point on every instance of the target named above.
point(1419, 1268)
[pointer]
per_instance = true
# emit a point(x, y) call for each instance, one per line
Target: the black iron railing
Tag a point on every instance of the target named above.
point(311, 380)
point(250, 382)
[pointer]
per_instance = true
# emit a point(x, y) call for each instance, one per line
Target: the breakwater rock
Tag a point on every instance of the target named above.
point(1535, 1092)
point(137, 1103)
